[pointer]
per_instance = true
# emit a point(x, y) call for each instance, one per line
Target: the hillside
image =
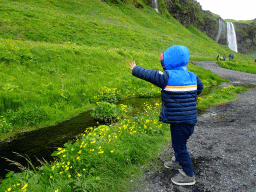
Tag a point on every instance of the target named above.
point(59, 58)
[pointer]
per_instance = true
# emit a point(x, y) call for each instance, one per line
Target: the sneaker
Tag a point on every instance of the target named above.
point(172, 165)
point(181, 179)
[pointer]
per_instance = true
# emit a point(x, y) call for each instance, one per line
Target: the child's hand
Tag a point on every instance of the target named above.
point(132, 65)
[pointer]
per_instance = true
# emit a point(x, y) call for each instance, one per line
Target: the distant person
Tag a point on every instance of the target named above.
point(180, 88)
point(255, 60)
point(218, 56)
point(230, 57)
point(224, 57)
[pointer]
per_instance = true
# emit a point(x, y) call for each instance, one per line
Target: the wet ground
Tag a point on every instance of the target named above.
point(222, 147)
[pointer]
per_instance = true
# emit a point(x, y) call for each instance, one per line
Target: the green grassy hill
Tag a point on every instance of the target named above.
point(59, 58)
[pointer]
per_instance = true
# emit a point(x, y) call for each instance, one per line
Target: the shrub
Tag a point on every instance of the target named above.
point(108, 112)
point(110, 95)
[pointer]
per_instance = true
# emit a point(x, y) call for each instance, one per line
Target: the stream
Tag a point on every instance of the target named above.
point(41, 143)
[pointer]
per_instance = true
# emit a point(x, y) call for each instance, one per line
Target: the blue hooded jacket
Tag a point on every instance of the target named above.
point(179, 86)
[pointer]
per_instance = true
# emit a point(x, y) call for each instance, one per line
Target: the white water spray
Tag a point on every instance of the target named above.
point(231, 36)
point(155, 5)
point(221, 30)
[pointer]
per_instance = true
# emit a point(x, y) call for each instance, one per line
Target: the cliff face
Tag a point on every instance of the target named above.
point(246, 36)
point(189, 12)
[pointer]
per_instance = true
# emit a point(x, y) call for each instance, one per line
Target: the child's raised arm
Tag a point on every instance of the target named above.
point(155, 77)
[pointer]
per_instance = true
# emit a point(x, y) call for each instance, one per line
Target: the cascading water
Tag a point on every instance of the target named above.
point(155, 5)
point(231, 36)
point(221, 30)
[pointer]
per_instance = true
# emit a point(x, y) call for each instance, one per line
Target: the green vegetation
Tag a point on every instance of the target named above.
point(239, 21)
point(108, 112)
point(59, 58)
point(107, 157)
point(101, 160)
point(219, 96)
point(252, 55)
point(238, 65)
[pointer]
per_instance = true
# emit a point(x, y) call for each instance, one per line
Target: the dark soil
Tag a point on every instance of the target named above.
point(222, 147)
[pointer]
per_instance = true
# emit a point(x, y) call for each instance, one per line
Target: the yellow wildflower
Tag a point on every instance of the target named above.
point(24, 188)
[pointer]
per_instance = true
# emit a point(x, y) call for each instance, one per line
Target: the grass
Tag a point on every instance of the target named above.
point(238, 65)
point(106, 157)
point(219, 96)
point(58, 67)
point(239, 21)
point(100, 160)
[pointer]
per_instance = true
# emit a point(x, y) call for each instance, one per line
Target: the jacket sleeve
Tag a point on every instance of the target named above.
point(200, 85)
point(155, 77)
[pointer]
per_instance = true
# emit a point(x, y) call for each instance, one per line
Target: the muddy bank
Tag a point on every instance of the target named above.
point(222, 147)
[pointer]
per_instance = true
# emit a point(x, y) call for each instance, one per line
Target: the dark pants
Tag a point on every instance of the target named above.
point(180, 134)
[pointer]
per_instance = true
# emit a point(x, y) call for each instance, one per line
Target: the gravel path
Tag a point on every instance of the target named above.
point(222, 147)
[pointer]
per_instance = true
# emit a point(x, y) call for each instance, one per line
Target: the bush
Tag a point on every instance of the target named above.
point(108, 112)
point(110, 95)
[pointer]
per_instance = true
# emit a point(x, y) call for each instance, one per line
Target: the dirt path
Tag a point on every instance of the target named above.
point(222, 147)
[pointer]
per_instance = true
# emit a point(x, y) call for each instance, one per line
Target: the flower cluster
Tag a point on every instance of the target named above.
point(110, 95)
point(5, 126)
point(17, 186)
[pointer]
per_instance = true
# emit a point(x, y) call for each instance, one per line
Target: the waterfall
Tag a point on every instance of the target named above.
point(155, 6)
point(231, 36)
point(221, 30)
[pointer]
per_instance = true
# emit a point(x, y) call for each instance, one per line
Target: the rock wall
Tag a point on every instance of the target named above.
point(221, 37)
point(246, 36)
point(190, 12)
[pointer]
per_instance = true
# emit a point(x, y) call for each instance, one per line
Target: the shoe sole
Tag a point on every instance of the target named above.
point(173, 167)
point(190, 183)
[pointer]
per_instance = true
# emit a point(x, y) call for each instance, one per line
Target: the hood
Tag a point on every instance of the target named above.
point(175, 58)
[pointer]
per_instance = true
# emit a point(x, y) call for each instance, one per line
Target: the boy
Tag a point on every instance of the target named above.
point(179, 94)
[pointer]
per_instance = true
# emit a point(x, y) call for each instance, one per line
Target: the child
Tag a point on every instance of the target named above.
point(179, 94)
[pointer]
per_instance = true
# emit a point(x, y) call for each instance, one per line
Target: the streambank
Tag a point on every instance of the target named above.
point(222, 147)
point(41, 143)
